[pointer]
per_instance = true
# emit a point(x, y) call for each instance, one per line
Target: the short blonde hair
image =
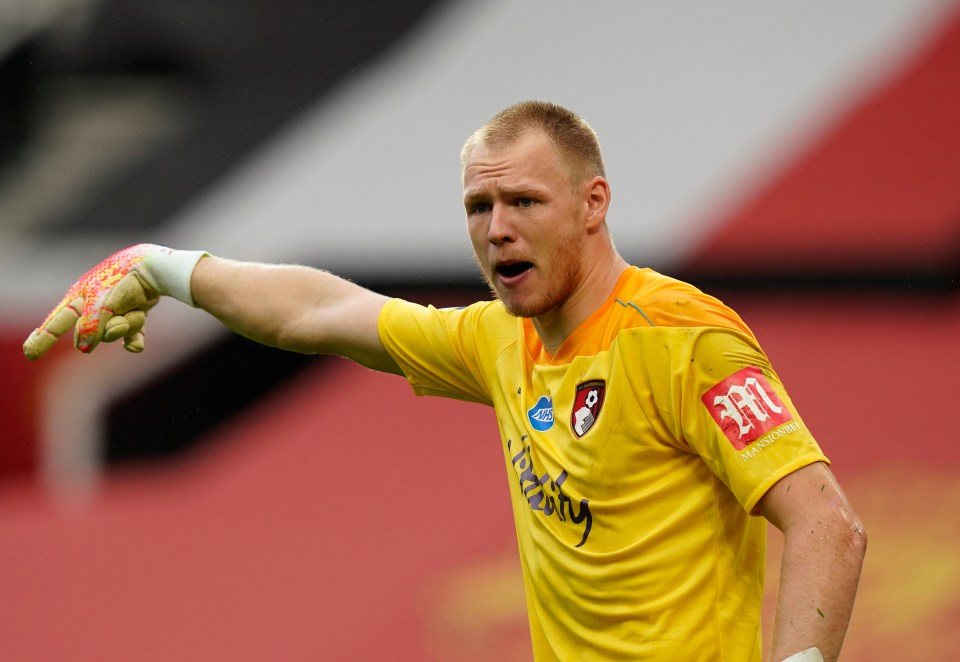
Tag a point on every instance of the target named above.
point(572, 138)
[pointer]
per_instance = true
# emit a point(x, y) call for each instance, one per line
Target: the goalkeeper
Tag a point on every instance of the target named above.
point(647, 437)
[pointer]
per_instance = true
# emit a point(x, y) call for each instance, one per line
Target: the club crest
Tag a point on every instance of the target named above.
point(586, 405)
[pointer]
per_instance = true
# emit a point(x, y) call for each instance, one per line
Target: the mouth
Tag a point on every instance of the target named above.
point(511, 272)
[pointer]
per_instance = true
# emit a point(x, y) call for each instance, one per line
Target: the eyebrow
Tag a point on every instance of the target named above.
point(471, 198)
point(474, 195)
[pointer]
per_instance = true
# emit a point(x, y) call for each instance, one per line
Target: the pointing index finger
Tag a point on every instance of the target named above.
point(60, 320)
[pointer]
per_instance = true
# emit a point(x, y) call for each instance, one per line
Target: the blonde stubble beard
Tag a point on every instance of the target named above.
point(571, 266)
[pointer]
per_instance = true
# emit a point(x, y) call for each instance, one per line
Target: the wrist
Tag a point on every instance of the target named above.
point(808, 655)
point(169, 271)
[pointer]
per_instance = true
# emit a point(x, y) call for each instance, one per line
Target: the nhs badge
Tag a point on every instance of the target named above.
point(541, 414)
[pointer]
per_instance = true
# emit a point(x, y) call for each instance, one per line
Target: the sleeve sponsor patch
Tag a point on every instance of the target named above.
point(745, 407)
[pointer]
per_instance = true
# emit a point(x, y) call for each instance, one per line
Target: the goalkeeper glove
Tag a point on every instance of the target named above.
point(111, 300)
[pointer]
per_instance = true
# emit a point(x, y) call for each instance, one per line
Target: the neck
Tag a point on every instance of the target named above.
point(555, 326)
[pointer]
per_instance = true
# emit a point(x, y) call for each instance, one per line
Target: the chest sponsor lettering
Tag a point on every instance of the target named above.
point(545, 494)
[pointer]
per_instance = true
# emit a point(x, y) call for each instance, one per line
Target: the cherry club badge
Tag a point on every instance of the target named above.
point(586, 406)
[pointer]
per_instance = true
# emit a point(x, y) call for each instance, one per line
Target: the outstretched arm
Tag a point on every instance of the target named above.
point(824, 546)
point(291, 307)
point(295, 308)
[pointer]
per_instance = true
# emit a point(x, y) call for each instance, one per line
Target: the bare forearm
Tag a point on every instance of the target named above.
point(820, 572)
point(287, 306)
point(824, 546)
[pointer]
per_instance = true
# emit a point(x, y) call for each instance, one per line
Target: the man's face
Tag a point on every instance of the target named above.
point(525, 223)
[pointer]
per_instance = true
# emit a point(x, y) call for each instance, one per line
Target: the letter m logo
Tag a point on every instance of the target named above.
point(745, 407)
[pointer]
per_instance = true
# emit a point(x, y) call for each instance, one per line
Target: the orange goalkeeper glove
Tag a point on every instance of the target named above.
point(111, 301)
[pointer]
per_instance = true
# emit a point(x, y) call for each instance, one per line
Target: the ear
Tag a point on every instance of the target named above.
point(596, 200)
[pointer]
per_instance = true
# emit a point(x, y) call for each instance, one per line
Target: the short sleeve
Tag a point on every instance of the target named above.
point(737, 415)
point(435, 348)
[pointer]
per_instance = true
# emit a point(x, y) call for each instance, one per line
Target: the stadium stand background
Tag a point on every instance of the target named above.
point(214, 499)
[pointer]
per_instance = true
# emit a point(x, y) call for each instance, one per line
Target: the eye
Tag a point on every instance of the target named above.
point(525, 202)
point(480, 208)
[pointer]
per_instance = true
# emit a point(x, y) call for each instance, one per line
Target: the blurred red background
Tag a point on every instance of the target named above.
point(336, 516)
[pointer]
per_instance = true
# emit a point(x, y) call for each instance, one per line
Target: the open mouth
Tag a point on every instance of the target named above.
point(513, 269)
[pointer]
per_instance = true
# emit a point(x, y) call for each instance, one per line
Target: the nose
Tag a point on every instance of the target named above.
point(501, 228)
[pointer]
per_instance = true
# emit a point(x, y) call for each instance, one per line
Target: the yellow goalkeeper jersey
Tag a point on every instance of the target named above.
point(636, 456)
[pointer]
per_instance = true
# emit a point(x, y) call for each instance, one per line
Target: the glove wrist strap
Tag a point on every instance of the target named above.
point(169, 271)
